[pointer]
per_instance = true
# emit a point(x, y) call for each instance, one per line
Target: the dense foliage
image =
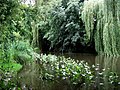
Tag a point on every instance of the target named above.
point(61, 24)
point(67, 30)
point(15, 38)
point(16, 29)
point(61, 27)
point(102, 19)
point(42, 23)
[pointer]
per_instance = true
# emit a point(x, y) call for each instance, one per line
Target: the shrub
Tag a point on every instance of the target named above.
point(66, 27)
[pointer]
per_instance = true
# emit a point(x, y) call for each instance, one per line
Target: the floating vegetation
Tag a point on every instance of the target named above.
point(66, 69)
point(77, 72)
point(7, 82)
point(105, 78)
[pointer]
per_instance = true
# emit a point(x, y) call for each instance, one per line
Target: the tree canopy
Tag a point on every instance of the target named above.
point(102, 21)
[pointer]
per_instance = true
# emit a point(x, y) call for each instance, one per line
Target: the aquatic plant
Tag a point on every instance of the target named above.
point(77, 73)
point(106, 79)
point(68, 69)
point(106, 72)
point(6, 82)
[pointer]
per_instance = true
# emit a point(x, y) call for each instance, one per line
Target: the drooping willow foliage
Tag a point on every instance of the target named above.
point(102, 21)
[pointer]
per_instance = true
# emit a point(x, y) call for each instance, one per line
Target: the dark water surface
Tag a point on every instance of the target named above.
point(30, 79)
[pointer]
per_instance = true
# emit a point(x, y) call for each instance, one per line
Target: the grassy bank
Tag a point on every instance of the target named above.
point(10, 67)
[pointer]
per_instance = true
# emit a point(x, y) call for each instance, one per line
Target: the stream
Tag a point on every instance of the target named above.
point(29, 77)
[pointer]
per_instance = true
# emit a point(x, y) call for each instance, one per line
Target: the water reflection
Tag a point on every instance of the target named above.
point(106, 65)
point(30, 79)
point(30, 76)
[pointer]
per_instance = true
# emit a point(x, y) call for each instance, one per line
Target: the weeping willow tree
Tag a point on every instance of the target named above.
point(102, 21)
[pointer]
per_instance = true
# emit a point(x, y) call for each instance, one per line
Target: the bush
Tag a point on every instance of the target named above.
point(66, 27)
point(21, 52)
